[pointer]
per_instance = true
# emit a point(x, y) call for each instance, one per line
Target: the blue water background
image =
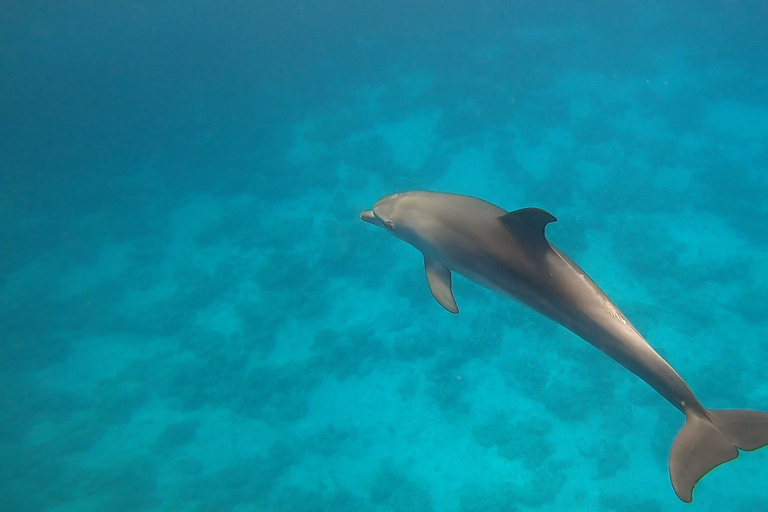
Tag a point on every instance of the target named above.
point(193, 318)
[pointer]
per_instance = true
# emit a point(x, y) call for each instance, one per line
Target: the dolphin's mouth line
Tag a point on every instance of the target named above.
point(370, 217)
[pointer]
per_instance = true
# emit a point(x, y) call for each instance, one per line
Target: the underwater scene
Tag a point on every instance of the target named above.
point(194, 317)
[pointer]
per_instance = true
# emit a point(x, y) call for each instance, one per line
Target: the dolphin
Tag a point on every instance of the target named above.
point(509, 253)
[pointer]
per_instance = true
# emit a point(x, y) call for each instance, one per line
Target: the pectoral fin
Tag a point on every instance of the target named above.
point(439, 279)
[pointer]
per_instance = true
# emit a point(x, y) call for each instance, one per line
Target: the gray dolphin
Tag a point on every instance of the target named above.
point(508, 252)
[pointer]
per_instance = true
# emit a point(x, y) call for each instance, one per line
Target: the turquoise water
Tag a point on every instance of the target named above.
point(193, 317)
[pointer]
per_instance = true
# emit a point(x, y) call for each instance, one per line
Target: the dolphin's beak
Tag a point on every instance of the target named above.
point(369, 217)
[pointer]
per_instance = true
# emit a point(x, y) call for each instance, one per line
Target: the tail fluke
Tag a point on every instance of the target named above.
point(706, 441)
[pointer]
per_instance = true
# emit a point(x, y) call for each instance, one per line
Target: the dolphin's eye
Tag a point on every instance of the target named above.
point(390, 225)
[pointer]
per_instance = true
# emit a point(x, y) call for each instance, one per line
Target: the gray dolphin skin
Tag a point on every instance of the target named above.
point(509, 253)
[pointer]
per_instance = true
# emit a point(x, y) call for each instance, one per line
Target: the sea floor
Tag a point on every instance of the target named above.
point(260, 348)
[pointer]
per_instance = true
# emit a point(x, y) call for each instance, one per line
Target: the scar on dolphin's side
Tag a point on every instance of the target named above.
point(509, 253)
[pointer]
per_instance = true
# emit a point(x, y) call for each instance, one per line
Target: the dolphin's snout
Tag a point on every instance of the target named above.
point(369, 217)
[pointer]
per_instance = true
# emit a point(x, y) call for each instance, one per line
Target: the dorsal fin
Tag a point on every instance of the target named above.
point(528, 226)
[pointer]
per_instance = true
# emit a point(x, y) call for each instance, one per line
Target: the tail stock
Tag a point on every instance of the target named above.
point(710, 439)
